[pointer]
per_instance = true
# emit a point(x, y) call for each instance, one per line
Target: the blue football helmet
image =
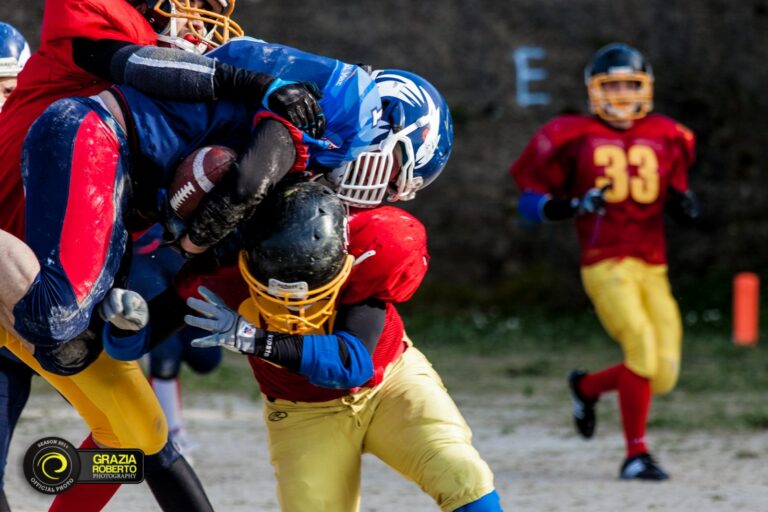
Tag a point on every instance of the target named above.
point(415, 137)
point(14, 51)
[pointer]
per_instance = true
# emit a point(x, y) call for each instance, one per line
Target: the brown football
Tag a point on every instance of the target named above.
point(197, 175)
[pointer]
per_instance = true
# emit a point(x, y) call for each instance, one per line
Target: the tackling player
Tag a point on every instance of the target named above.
point(617, 172)
point(337, 372)
point(84, 158)
point(88, 44)
point(84, 46)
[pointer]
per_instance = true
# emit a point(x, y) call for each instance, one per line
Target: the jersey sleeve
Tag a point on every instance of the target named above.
point(542, 167)
point(391, 258)
point(683, 151)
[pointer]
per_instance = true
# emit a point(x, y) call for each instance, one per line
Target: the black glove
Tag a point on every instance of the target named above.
point(298, 103)
point(683, 207)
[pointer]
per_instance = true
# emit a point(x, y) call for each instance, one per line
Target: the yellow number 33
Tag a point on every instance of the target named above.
point(643, 188)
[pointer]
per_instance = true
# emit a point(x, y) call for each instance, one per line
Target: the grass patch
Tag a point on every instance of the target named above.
point(525, 359)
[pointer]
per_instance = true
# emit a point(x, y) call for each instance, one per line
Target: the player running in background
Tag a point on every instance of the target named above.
point(338, 374)
point(617, 172)
point(15, 376)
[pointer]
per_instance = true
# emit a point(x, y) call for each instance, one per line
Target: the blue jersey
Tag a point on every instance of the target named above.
point(169, 131)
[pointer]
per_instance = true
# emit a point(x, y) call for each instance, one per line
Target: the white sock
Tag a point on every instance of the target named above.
point(168, 394)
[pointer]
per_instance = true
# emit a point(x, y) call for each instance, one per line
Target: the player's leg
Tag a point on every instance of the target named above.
point(665, 316)
point(164, 367)
point(418, 430)
point(15, 379)
point(116, 402)
point(615, 288)
point(74, 163)
point(315, 450)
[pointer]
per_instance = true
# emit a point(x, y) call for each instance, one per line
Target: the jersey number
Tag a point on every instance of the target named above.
point(643, 188)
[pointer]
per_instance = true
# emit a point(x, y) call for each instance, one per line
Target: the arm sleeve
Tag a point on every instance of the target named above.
point(536, 207)
point(340, 360)
point(168, 73)
point(269, 157)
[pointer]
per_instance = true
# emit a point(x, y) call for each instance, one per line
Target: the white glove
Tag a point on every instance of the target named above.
point(229, 329)
point(125, 309)
point(592, 202)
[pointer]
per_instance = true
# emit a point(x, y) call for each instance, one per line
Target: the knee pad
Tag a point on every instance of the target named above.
point(161, 460)
point(71, 357)
point(666, 377)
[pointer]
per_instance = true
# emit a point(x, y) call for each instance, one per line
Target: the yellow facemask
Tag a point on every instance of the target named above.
point(627, 105)
point(291, 307)
point(219, 27)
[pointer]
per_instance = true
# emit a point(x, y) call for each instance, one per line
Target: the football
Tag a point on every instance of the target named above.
point(197, 175)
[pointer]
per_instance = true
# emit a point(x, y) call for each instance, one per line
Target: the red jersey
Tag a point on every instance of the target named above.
point(572, 154)
point(50, 75)
point(390, 248)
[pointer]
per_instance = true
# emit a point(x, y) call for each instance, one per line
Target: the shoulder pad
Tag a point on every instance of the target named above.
point(391, 258)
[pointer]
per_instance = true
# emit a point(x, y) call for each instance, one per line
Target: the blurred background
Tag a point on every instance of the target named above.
point(506, 68)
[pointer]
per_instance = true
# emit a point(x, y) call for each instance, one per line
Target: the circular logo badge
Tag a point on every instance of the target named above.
point(52, 465)
point(277, 415)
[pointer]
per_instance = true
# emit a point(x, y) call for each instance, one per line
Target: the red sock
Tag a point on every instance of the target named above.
point(84, 497)
point(634, 401)
point(595, 384)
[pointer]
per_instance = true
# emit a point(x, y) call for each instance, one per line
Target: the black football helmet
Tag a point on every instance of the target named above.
point(295, 259)
point(619, 62)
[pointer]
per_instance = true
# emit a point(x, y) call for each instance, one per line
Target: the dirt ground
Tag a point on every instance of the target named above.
point(539, 463)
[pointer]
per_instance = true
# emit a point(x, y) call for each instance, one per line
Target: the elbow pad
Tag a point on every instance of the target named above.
point(531, 206)
point(322, 364)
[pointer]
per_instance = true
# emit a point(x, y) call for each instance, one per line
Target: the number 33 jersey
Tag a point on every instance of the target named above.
point(572, 154)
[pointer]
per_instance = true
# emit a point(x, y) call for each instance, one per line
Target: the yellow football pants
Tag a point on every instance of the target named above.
point(635, 305)
point(113, 397)
point(408, 421)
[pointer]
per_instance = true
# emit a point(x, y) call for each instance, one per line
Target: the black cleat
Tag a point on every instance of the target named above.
point(583, 409)
point(642, 467)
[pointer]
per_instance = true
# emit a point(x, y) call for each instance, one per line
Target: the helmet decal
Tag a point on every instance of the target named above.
point(412, 143)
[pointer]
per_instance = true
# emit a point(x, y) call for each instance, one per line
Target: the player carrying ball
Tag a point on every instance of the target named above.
point(617, 172)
